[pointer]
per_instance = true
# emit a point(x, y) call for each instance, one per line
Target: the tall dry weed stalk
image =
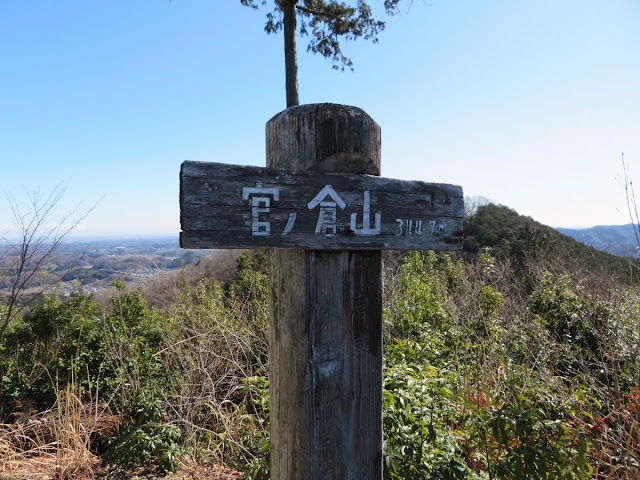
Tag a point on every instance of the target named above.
point(55, 443)
point(71, 428)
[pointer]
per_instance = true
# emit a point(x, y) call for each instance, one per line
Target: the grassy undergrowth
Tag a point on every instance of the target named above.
point(495, 368)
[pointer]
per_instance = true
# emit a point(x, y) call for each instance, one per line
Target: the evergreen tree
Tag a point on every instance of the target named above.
point(327, 23)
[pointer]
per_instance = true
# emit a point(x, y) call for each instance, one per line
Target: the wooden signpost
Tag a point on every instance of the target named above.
point(326, 215)
point(251, 207)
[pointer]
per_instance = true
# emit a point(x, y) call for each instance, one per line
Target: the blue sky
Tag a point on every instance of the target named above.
point(528, 103)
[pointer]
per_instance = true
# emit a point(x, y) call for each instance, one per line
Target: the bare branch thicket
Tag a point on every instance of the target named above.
point(40, 229)
point(632, 215)
point(471, 204)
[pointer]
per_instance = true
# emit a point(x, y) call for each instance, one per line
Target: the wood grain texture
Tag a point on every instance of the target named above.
point(220, 205)
point(345, 364)
point(325, 317)
point(288, 338)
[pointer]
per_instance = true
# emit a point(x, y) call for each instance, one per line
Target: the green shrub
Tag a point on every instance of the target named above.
point(257, 439)
point(419, 419)
point(55, 344)
point(147, 437)
point(520, 436)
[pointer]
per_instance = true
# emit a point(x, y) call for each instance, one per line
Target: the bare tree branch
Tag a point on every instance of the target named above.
point(633, 214)
point(40, 232)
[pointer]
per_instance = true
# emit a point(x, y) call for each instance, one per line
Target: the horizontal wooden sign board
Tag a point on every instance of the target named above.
point(229, 206)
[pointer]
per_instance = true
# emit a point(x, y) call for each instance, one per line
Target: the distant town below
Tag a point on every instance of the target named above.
point(90, 264)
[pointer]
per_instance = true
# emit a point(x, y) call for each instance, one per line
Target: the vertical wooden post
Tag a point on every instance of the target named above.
point(325, 316)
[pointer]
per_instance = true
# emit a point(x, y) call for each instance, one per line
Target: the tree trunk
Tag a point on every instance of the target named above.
point(290, 52)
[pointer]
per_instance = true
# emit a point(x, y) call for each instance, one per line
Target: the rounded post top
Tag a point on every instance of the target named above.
point(323, 110)
point(326, 137)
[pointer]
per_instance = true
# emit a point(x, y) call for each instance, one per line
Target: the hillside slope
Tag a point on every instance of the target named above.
point(524, 241)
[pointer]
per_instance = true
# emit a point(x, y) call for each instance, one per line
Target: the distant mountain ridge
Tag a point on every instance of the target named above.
point(615, 239)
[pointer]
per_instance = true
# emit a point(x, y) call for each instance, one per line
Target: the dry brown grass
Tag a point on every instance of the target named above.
point(618, 433)
point(55, 444)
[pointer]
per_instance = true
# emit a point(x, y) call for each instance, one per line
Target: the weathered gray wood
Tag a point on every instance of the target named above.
point(325, 317)
point(345, 364)
point(217, 209)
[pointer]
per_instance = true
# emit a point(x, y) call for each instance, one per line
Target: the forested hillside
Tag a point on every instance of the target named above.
point(514, 359)
point(523, 240)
